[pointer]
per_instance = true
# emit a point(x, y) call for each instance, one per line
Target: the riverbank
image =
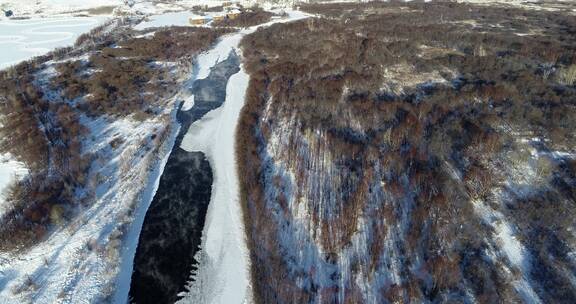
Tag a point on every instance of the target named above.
point(224, 264)
point(172, 229)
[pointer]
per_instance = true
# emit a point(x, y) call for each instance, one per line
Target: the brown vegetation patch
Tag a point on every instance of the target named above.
point(41, 124)
point(364, 119)
point(127, 71)
point(245, 18)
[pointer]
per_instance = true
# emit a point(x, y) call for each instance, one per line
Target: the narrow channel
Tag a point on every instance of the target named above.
point(172, 229)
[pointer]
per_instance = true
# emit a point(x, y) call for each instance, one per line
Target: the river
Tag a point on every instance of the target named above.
point(172, 229)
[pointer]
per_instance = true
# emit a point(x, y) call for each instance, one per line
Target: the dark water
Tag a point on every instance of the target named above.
point(172, 229)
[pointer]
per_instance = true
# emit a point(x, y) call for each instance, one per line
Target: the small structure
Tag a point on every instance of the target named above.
point(198, 21)
point(8, 13)
point(219, 18)
point(233, 14)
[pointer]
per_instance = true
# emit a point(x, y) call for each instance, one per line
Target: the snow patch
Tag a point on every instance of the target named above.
point(10, 170)
point(511, 247)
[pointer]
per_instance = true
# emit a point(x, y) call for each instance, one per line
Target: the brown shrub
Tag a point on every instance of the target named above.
point(46, 135)
point(333, 76)
point(246, 18)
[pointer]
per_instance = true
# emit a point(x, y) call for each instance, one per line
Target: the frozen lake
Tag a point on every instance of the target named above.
point(24, 39)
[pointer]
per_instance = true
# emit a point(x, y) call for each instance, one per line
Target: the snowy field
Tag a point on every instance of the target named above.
point(24, 39)
point(52, 23)
point(173, 19)
point(77, 264)
point(168, 19)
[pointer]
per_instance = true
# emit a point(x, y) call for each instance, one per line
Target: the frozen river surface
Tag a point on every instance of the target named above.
point(24, 39)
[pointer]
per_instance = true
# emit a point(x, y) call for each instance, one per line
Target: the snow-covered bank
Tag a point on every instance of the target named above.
point(78, 263)
point(24, 39)
point(224, 271)
point(81, 258)
point(9, 170)
point(224, 253)
point(129, 250)
point(183, 197)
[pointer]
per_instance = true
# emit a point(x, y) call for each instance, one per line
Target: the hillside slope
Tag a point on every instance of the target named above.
point(411, 152)
point(93, 124)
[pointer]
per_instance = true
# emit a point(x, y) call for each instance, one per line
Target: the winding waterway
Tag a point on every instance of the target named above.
point(172, 229)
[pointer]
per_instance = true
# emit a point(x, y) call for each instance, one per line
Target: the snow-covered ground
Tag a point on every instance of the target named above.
point(510, 247)
point(9, 170)
point(54, 23)
point(181, 18)
point(24, 39)
point(224, 271)
point(122, 286)
point(168, 19)
point(79, 262)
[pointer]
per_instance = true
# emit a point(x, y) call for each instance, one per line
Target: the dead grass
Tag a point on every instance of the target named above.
point(567, 75)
